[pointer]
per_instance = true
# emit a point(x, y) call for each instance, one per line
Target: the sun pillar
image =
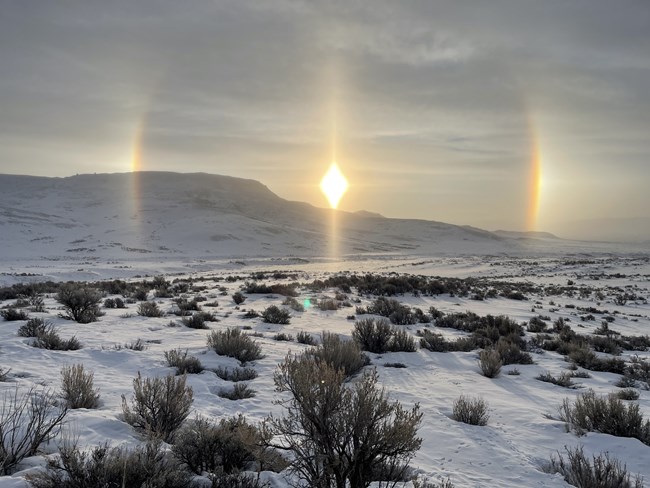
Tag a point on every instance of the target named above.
point(534, 186)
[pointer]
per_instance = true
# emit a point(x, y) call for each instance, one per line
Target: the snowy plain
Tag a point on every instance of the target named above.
point(523, 430)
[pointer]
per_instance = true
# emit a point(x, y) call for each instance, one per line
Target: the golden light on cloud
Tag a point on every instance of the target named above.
point(334, 185)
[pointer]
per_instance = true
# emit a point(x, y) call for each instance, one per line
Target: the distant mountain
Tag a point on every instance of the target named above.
point(525, 235)
point(633, 229)
point(112, 218)
point(372, 215)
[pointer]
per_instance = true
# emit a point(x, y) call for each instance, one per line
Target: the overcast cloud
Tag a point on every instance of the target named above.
point(436, 104)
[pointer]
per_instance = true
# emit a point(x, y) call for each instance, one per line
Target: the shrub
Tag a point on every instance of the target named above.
point(137, 345)
point(511, 353)
point(27, 420)
point(229, 446)
point(235, 374)
point(432, 341)
point(564, 380)
point(604, 329)
point(140, 294)
point(394, 365)
point(279, 289)
point(238, 298)
point(150, 309)
point(536, 324)
point(418, 483)
point(420, 316)
point(578, 471)
point(104, 467)
point(605, 414)
point(586, 358)
point(626, 382)
point(33, 328)
point(392, 309)
point(580, 374)
point(328, 304)
point(275, 315)
point(473, 411)
point(339, 354)
point(36, 303)
point(233, 343)
point(159, 405)
point(77, 387)
point(49, 339)
point(293, 304)
point(372, 335)
point(80, 303)
point(281, 336)
point(198, 320)
point(337, 434)
point(11, 314)
point(639, 369)
point(605, 344)
point(4, 374)
point(239, 391)
point(186, 307)
point(183, 364)
point(236, 480)
point(378, 336)
point(251, 314)
point(305, 338)
point(627, 394)
point(490, 363)
point(402, 341)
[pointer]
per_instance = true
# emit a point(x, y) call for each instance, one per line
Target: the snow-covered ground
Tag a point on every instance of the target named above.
point(217, 232)
point(523, 430)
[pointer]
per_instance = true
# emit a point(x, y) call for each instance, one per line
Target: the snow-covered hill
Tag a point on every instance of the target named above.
point(115, 220)
point(197, 214)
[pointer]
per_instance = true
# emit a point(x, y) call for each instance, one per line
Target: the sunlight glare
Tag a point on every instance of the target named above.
point(334, 185)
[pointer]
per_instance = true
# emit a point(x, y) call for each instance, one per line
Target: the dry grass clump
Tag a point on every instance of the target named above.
point(564, 380)
point(227, 447)
point(276, 315)
point(339, 354)
point(198, 320)
point(27, 420)
point(33, 328)
point(379, 336)
point(603, 472)
point(48, 338)
point(606, 414)
point(77, 387)
point(490, 363)
point(103, 466)
point(233, 343)
point(159, 405)
point(183, 363)
point(473, 411)
point(150, 309)
point(11, 314)
point(239, 391)
point(305, 338)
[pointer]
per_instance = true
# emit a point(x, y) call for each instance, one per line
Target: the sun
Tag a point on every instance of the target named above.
point(334, 185)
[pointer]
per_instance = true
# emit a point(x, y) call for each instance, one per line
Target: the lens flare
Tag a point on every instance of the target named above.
point(334, 185)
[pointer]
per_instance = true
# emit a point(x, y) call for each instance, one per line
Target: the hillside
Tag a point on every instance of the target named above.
point(152, 213)
point(131, 220)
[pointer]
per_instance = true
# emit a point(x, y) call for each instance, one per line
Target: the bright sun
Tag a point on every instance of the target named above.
point(334, 185)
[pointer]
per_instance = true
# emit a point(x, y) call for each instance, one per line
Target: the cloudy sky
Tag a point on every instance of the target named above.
point(515, 114)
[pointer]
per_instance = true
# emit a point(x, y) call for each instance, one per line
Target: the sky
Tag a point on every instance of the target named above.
point(501, 114)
